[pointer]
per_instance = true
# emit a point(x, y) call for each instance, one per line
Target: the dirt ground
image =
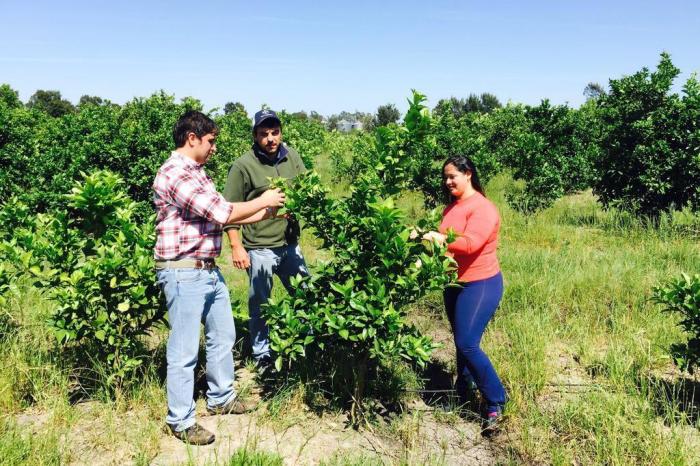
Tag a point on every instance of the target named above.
point(311, 442)
point(426, 434)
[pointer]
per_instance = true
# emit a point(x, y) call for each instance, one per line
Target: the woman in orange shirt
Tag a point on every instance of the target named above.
point(471, 305)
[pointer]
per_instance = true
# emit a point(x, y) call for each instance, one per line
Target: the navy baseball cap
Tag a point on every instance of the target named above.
point(264, 115)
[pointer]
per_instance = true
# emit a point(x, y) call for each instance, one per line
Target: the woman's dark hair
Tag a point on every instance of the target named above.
point(193, 122)
point(464, 164)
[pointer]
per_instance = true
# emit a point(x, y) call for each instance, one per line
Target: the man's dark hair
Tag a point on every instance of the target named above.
point(193, 122)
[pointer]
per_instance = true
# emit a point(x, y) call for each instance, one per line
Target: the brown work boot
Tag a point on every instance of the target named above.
point(195, 435)
point(234, 406)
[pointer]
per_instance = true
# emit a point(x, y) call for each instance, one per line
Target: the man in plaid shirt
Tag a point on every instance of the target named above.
point(189, 223)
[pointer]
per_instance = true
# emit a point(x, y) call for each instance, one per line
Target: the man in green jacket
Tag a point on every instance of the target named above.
point(270, 246)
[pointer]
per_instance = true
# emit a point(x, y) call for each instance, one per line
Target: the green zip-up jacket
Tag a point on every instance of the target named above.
point(248, 178)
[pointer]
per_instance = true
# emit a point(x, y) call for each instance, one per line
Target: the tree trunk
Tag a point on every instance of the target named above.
point(359, 375)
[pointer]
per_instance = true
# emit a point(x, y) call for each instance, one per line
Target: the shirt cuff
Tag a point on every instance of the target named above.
point(224, 213)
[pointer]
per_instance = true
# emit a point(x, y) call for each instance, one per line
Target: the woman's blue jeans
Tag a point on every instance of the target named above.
point(195, 296)
point(470, 307)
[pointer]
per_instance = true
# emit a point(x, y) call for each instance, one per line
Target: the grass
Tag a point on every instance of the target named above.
point(246, 456)
point(577, 288)
point(19, 447)
point(579, 345)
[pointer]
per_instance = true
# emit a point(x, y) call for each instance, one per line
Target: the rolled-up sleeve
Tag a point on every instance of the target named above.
point(191, 196)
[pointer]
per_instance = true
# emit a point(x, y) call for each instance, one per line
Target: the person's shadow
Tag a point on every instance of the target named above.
point(675, 399)
point(439, 389)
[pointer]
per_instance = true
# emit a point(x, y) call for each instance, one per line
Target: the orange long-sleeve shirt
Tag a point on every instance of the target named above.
point(476, 222)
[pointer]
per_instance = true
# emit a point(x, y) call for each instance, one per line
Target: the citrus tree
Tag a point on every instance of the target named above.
point(352, 312)
point(94, 261)
point(651, 141)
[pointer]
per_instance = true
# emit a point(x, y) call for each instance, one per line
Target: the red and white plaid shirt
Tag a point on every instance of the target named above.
point(190, 213)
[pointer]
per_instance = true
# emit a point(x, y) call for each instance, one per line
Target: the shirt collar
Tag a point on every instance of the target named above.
point(262, 155)
point(185, 161)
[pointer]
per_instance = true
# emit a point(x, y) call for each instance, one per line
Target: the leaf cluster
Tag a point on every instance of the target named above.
point(681, 296)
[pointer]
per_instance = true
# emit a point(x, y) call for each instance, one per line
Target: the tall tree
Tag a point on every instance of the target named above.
point(489, 102)
point(50, 102)
point(9, 96)
point(472, 104)
point(484, 103)
point(452, 105)
point(594, 91)
point(234, 107)
point(387, 114)
point(90, 100)
point(315, 116)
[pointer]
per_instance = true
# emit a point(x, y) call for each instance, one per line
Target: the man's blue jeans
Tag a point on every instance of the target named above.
point(195, 296)
point(285, 262)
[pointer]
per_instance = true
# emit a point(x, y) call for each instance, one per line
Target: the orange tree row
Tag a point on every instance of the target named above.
point(636, 146)
point(42, 155)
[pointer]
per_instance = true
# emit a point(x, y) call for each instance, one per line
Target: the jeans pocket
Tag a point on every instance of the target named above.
point(264, 258)
point(263, 253)
point(188, 275)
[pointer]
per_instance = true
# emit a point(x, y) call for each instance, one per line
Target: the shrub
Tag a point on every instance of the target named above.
point(401, 156)
point(22, 132)
point(352, 312)
point(651, 140)
point(44, 156)
point(682, 296)
point(96, 263)
point(235, 139)
point(552, 149)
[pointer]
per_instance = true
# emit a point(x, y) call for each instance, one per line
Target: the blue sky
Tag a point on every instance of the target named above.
point(333, 56)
